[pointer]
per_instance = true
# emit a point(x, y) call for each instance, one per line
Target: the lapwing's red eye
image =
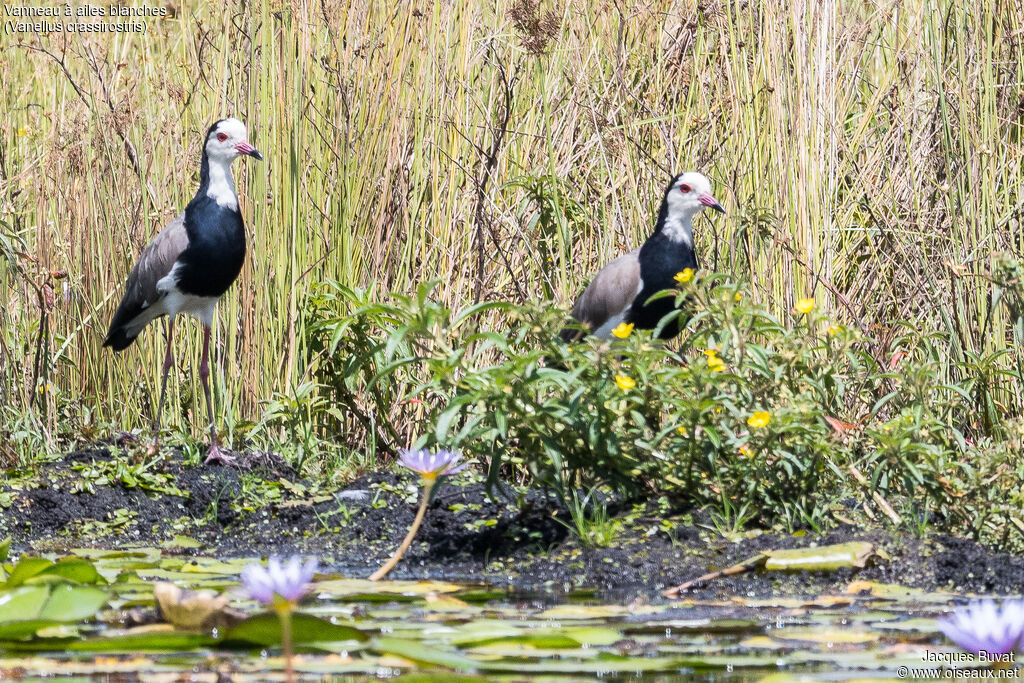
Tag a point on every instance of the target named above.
point(222, 136)
point(684, 188)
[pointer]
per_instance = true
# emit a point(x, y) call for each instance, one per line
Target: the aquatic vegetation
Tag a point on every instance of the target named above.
point(987, 627)
point(430, 466)
point(65, 617)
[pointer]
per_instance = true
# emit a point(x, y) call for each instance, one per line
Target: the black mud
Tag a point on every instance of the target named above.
point(467, 536)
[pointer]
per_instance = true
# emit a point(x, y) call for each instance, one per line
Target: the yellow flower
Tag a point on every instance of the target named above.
point(716, 364)
point(833, 330)
point(625, 382)
point(685, 275)
point(737, 297)
point(623, 330)
point(759, 419)
point(746, 452)
point(805, 305)
point(681, 431)
point(710, 353)
point(22, 132)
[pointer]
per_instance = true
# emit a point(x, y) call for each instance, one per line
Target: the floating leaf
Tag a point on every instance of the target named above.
point(73, 603)
point(265, 629)
point(821, 558)
point(22, 603)
point(26, 568)
point(418, 652)
point(71, 569)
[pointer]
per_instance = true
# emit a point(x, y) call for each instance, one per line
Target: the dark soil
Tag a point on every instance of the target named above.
point(467, 535)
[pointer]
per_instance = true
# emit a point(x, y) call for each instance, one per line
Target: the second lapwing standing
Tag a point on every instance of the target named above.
point(620, 291)
point(190, 264)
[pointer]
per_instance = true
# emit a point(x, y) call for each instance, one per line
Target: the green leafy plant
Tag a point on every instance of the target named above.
point(755, 419)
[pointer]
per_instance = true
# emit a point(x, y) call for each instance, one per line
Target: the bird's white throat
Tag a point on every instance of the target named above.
point(222, 187)
point(679, 228)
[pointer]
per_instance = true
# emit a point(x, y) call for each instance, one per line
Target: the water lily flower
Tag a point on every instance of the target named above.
point(759, 419)
point(280, 586)
point(625, 382)
point(623, 330)
point(985, 626)
point(685, 275)
point(431, 465)
point(288, 581)
point(805, 305)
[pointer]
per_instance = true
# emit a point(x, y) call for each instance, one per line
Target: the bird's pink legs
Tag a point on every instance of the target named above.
point(168, 364)
point(213, 454)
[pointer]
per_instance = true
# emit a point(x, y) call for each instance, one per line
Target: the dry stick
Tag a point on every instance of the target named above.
point(879, 500)
point(428, 484)
point(490, 162)
point(745, 565)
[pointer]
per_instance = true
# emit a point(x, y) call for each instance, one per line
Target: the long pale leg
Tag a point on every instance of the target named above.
point(168, 364)
point(213, 454)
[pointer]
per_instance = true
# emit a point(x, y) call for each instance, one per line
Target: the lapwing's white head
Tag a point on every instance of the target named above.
point(689, 194)
point(686, 196)
point(227, 140)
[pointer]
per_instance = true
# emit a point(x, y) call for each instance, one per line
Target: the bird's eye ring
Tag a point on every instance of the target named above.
point(684, 188)
point(222, 136)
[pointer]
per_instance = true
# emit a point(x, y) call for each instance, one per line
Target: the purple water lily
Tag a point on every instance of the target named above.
point(431, 465)
point(986, 627)
point(288, 580)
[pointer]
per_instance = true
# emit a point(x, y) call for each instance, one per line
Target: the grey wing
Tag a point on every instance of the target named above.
point(138, 307)
point(608, 295)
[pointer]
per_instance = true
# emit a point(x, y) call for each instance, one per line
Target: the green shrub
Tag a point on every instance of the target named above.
point(741, 413)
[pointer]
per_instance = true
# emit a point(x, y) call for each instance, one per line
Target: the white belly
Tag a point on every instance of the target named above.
point(175, 301)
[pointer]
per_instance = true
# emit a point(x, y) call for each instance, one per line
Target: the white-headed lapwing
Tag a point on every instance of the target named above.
point(191, 263)
point(619, 292)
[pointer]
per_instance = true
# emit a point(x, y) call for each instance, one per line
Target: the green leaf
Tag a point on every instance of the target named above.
point(423, 654)
point(26, 568)
point(166, 641)
point(73, 603)
point(22, 603)
point(72, 569)
point(16, 630)
point(265, 629)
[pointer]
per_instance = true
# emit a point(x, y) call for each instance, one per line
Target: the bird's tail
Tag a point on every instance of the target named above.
point(118, 338)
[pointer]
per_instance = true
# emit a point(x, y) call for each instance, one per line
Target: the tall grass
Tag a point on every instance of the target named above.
point(868, 154)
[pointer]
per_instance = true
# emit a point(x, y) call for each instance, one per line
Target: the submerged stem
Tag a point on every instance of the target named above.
point(428, 484)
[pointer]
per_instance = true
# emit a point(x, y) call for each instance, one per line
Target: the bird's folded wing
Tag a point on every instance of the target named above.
point(156, 261)
point(611, 291)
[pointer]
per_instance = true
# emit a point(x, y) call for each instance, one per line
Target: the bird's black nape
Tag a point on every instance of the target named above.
point(663, 209)
point(204, 165)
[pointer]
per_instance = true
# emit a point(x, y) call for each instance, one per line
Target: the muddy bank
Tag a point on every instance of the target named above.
point(91, 498)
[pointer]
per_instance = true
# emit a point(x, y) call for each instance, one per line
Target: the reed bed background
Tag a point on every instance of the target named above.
point(868, 154)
